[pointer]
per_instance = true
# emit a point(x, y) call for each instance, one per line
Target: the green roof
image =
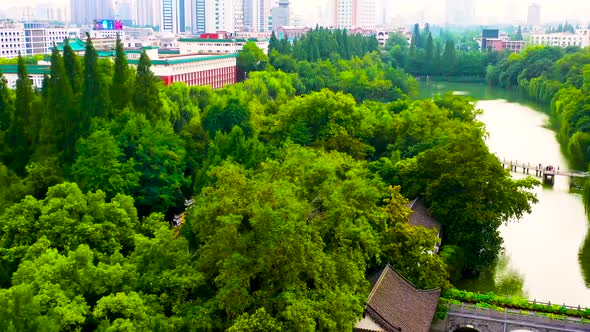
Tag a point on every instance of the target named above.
point(77, 45)
point(31, 69)
point(168, 51)
point(174, 61)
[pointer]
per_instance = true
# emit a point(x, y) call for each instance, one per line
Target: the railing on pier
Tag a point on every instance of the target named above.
point(512, 316)
point(542, 170)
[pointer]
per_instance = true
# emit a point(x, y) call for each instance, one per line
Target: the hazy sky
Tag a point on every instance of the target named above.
point(433, 10)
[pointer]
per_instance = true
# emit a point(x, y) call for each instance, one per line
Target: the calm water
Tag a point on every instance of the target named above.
point(547, 253)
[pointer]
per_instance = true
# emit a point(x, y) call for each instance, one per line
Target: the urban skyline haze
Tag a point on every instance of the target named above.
point(433, 11)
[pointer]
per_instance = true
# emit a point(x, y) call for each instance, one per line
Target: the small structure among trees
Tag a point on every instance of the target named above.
point(395, 305)
point(421, 217)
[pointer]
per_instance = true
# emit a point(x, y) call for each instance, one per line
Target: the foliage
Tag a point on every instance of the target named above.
point(292, 180)
point(121, 88)
point(513, 303)
point(146, 95)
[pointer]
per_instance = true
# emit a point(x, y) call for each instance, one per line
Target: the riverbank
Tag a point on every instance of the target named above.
point(543, 251)
point(452, 79)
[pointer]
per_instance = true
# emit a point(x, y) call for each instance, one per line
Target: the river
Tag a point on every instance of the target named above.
point(547, 252)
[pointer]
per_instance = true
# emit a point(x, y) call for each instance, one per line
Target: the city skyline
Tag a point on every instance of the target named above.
point(435, 12)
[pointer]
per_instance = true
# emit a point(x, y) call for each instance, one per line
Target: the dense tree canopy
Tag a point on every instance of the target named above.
point(289, 189)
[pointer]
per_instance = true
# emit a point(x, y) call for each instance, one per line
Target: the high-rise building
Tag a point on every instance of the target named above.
point(281, 15)
point(355, 14)
point(148, 12)
point(173, 16)
point(238, 15)
point(256, 15)
point(198, 16)
point(534, 17)
point(86, 11)
point(460, 12)
point(224, 18)
point(213, 15)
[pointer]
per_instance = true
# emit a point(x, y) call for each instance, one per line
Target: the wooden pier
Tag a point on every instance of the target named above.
point(548, 173)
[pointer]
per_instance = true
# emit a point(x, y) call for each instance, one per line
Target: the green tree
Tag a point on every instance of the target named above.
point(251, 58)
point(73, 68)
point(99, 165)
point(120, 88)
point(449, 58)
point(429, 53)
point(519, 34)
point(146, 97)
point(69, 218)
point(224, 114)
point(19, 311)
point(91, 86)
point(59, 128)
point(318, 215)
point(20, 135)
point(416, 38)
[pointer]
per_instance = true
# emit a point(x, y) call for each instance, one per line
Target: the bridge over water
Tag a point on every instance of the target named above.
point(471, 318)
point(547, 172)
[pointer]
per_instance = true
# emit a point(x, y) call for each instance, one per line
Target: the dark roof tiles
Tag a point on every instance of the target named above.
point(397, 306)
point(420, 215)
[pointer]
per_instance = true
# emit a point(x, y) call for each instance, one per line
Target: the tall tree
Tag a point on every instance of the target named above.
point(448, 60)
point(429, 51)
point(146, 98)
point(60, 122)
point(73, 68)
point(19, 137)
point(95, 100)
point(273, 44)
point(6, 104)
point(519, 34)
point(416, 41)
point(120, 89)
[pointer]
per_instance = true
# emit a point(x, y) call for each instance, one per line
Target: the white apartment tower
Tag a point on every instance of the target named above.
point(225, 16)
point(534, 17)
point(257, 15)
point(213, 15)
point(355, 14)
point(173, 16)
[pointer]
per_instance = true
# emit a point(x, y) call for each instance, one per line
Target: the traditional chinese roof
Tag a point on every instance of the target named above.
point(395, 305)
point(77, 45)
point(420, 215)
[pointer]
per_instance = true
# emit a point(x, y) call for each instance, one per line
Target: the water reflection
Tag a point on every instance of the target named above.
point(549, 249)
point(584, 259)
point(500, 280)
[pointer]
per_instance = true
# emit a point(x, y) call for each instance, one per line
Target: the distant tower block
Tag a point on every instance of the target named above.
point(534, 16)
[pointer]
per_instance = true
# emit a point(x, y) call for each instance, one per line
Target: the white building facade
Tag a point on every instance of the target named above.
point(12, 41)
point(351, 14)
point(36, 73)
point(216, 46)
point(580, 38)
point(32, 38)
point(173, 16)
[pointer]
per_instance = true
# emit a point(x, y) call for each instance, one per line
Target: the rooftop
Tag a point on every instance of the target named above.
point(395, 305)
point(172, 60)
point(31, 69)
point(420, 215)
